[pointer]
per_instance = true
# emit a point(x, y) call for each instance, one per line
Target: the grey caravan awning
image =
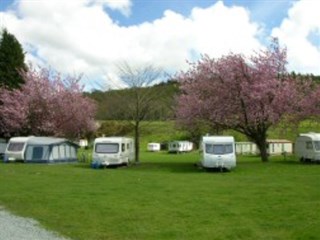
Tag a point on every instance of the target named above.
point(50, 150)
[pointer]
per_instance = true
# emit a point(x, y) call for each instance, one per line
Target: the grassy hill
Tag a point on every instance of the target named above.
point(107, 102)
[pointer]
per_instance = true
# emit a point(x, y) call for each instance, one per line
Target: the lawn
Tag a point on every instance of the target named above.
point(166, 197)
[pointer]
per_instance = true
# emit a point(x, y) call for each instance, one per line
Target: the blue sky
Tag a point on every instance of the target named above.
point(269, 12)
point(93, 36)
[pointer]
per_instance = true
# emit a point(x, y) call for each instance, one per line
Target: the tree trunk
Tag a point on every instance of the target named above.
point(137, 142)
point(259, 137)
point(262, 145)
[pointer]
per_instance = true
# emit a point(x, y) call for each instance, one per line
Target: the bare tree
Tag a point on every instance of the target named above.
point(136, 104)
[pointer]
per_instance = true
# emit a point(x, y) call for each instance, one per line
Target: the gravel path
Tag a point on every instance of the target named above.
point(18, 228)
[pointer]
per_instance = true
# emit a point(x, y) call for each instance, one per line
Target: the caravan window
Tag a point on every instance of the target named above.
point(317, 145)
point(219, 148)
point(107, 148)
point(16, 146)
point(309, 145)
point(123, 147)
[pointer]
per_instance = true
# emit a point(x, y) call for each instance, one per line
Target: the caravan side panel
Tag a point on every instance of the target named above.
point(246, 148)
point(153, 147)
point(180, 146)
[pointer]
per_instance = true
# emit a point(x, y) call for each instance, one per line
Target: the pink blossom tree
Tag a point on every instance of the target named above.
point(248, 95)
point(47, 104)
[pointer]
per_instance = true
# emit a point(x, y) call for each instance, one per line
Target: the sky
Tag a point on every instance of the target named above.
point(95, 37)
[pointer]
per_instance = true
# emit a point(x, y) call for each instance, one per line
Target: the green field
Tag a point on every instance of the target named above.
point(165, 131)
point(166, 197)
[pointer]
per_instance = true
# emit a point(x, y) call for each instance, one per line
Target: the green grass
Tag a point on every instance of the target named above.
point(165, 131)
point(166, 197)
point(160, 131)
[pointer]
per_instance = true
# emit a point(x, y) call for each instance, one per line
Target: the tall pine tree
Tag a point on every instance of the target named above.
point(11, 61)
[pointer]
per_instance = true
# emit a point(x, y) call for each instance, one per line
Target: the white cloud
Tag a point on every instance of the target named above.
point(124, 6)
point(220, 29)
point(295, 32)
point(79, 36)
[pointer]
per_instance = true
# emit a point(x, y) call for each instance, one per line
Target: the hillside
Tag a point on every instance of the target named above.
point(159, 125)
point(162, 109)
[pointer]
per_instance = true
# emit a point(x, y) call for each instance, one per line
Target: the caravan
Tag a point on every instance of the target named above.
point(180, 146)
point(113, 151)
point(154, 147)
point(218, 152)
point(279, 146)
point(307, 147)
point(246, 148)
point(15, 149)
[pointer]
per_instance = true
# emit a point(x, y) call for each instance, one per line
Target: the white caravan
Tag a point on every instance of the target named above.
point(307, 147)
point(83, 143)
point(154, 147)
point(218, 152)
point(15, 149)
point(112, 151)
point(180, 146)
point(279, 146)
point(246, 148)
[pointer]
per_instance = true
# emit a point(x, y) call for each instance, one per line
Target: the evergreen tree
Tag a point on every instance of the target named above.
point(11, 61)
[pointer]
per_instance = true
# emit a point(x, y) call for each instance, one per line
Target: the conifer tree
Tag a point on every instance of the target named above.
point(11, 61)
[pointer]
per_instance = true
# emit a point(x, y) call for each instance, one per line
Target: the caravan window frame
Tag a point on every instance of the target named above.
point(16, 146)
point(309, 145)
point(123, 147)
point(213, 148)
point(316, 146)
point(116, 150)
